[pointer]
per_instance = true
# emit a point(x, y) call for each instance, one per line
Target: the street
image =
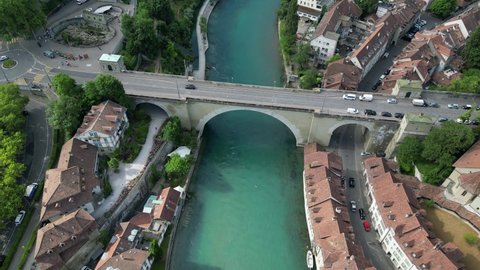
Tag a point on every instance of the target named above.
point(348, 143)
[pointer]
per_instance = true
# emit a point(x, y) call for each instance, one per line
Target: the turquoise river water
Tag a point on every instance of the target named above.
point(246, 203)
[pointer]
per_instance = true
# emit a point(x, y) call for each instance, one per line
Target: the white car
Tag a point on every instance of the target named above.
point(364, 153)
point(3, 58)
point(392, 101)
point(79, 2)
point(453, 106)
point(353, 206)
point(352, 111)
point(350, 97)
point(19, 218)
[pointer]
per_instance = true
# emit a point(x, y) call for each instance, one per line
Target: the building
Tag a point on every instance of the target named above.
point(59, 242)
point(331, 234)
point(335, 25)
point(400, 224)
point(463, 184)
point(127, 248)
point(412, 125)
point(112, 62)
point(341, 75)
point(312, 9)
point(74, 183)
point(388, 29)
point(104, 126)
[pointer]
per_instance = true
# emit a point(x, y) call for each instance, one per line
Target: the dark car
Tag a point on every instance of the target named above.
point(467, 107)
point(442, 119)
point(381, 153)
point(386, 72)
point(386, 114)
point(190, 86)
point(361, 212)
point(49, 54)
point(474, 122)
point(398, 115)
point(370, 112)
point(433, 104)
point(376, 85)
point(351, 182)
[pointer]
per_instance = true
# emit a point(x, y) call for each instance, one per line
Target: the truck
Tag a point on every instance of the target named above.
point(418, 102)
point(30, 191)
point(366, 97)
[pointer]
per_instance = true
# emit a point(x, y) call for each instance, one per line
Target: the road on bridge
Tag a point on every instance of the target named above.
point(329, 102)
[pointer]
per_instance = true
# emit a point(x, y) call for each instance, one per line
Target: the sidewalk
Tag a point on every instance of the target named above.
point(202, 39)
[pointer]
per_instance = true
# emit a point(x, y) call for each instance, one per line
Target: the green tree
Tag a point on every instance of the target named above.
point(303, 55)
point(64, 114)
point(367, 6)
point(471, 53)
point(139, 32)
point(334, 58)
point(64, 85)
point(160, 10)
point(408, 152)
point(310, 79)
point(443, 8)
point(444, 143)
point(177, 167)
point(172, 130)
point(20, 18)
point(113, 163)
point(106, 87)
point(468, 83)
point(154, 248)
point(11, 106)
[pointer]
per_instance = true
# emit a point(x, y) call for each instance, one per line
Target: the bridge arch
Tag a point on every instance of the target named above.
point(367, 125)
point(294, 129)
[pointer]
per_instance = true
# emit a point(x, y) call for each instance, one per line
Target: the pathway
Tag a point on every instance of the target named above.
point(129, 171)
point(202, 39)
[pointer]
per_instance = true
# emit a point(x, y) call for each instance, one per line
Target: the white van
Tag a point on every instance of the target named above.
point(366, 97)
point(352, 111)
point(350, 96)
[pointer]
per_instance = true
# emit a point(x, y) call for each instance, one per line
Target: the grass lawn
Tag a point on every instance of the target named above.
point(425, 166)
point(9, 63)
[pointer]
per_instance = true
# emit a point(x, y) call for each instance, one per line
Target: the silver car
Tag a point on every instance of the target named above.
point(392, 101)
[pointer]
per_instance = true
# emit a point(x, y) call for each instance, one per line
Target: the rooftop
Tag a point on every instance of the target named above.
point(110, 57)
point(471, 158)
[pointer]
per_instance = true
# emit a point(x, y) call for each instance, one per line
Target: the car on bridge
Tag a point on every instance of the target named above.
point(398, 115)
point(190, 86)
point(386, 114)
point(392, 101)
point(370, 112)
point(352, 111)
point(349, 97)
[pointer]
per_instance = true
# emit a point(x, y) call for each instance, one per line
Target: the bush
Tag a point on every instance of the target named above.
point(470, 238)
point(113, 163)
point(107, 188)
point(429, 203)
point(172, 130)
point(104, 237)
point(9, 63)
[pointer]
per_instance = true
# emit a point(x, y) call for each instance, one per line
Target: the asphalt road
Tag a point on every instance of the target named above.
point(349, 145)
point(330, 102)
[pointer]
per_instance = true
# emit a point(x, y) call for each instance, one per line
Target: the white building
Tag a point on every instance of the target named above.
point(312, 9)
point(103, 126)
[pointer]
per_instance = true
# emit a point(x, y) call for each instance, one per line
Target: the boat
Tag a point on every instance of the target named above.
point(310, 259)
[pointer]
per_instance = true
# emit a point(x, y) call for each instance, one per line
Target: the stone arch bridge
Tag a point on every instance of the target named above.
point(306, 125)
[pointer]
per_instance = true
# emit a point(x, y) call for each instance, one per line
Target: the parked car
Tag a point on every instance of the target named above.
point(386, 72)
point(49, 54)
point(85, 268)
point(474, 122)
point(467, 107)
point(3, 58)
point(365, 153)
point(459, 120)
point(392, 101)
point(20, 217)
point(386, 114)
point(452, 106)
point(382, 77)
point(349, 97)
point(79, 2)
point(432, 104)
point(352, 111)
point(190, 86)
point(353, 206)
point(351, 182)
point(442, 119)
point(362, 214)
point(398, 115)
point(370, 112)
point(366, 225)
point(376, 85)
point(422, 22)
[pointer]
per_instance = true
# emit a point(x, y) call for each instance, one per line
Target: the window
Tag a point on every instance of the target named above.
point(464, 193)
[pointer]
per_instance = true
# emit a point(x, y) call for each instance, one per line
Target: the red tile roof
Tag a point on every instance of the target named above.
point(168, 204)
point(131, 259)
point(342, 75)
point(471, 182)
point(331, 19)
point(471, 158)
point(102, 118)
point(58, 241)
point(70, 185)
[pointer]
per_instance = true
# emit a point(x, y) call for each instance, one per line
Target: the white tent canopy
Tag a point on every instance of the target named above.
point(182, 151)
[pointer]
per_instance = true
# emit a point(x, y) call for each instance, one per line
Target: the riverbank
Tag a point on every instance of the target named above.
point(287, 68)
point(202, 38)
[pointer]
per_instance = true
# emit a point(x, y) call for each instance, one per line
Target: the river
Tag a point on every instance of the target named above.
point(246, 203)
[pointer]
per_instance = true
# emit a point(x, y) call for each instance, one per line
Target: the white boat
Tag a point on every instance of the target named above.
point(309, 259)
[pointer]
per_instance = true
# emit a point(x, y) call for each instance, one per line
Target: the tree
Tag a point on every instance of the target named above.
point(64, 85)
point(468, 83)
point(303, 55)
point(408, 152)
point(106, 87)
point(20, 18)
point(154, 248)
point(140, 33)
point(334, 58)
point(443, 8)
point(367, 6)
point(471, 53)
point(172, 130)
point(113, 163)
point(11, 106)
point(310, 79)
point(64, 114)
point(444, 143)
point(177, 166)
point(160, 10)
